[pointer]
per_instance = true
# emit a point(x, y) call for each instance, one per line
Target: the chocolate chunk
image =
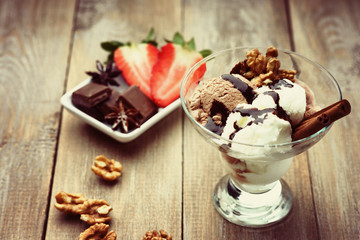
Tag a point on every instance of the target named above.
point(93, 112)
point(90, 95)
point(136, 99)
point(240, 68)
point(111, 104)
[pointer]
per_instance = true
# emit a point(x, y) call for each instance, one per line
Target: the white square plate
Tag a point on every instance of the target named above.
point(117, 135)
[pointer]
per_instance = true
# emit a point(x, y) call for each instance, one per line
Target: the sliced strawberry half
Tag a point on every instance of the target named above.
point(175, 59)
point(135, 60)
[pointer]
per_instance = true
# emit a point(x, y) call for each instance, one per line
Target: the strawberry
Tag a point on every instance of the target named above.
point(175, 59)
point(135, 60)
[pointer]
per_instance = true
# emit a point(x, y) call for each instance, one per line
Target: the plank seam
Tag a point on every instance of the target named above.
point(74, 21)
point(290, 29)
point(312, 195)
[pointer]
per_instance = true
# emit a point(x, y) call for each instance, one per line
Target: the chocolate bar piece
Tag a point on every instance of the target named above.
point(90, 95)
point(134, 98)
point(111, 104)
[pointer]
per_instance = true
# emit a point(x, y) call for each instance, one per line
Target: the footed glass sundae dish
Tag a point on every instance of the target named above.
point(259, 107)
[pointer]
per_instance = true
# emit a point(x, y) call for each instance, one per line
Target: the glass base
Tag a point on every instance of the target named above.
point(252, 210)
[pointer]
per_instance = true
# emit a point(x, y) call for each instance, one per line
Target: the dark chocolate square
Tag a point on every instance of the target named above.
point(111, 104)
point(90, 95)
point(136, 99)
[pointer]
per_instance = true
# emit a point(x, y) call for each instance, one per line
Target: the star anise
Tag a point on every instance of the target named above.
point(122, 117)
point(106, 74)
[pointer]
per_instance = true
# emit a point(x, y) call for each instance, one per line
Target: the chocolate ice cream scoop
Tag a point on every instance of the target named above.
point(229, 90)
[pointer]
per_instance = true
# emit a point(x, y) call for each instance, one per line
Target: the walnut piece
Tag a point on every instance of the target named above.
point(154, 235)
point(98, 231)
point(108, 169)
point(249, 74)
point(262, 79)
point(70, 203)
point(271, 52)
point(272, 65)
point(288, 74)
point(256, 61)
point(217, 119)
point(96, 211)
point(262, 70)
point(90, 210)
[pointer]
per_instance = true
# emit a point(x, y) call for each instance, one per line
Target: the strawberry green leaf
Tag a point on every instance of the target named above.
point(191, 44)
point(205, 52)
point(109, 58)
point(178, 39)
point(111, 46)
point(150, 38)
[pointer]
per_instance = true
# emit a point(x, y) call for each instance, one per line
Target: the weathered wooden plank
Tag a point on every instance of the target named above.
point(328, 32)
point(148, 195)
point(223, 25)
point(34, 47)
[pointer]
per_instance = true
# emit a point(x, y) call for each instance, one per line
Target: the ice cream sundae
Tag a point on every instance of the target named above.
point(257, 103)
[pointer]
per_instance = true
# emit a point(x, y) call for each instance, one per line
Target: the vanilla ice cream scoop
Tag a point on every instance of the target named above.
point(251, 125)
point(284, 95)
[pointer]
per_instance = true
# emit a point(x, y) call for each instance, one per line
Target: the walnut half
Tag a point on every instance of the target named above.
point(90, 210)
point(70, 203)
point(98, 231)
point(96, 211)
point(108, 169)
point(154, 235)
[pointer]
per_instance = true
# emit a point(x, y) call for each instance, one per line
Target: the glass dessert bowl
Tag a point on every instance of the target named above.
point(252, 192)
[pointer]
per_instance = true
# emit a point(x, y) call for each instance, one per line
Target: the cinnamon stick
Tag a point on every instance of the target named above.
point(322, 118)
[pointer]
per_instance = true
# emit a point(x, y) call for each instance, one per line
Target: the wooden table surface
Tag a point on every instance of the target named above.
point(169, 172)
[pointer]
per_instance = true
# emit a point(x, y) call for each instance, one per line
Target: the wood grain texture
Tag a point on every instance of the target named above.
point(231, 26)
point(328, 32)
point(169, 173)
point(148, 194)
point(30, 88)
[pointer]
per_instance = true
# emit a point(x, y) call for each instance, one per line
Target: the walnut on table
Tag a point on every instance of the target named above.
point(70, 203)
point(90, 210)
point(98, 231)
point(108, 169)
point(154, 235)
point(96, 211)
